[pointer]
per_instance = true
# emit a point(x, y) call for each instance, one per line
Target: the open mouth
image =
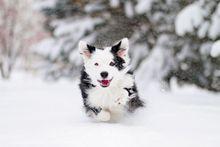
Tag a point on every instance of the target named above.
point(105, 83)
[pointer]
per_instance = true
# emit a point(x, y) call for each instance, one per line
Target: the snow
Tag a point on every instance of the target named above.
point(214, 31)
point(44, 47)
point(188, 19)
point(143, 6)
point(42, 4)
point(36, 113)
point(79, 26)
point(114, 3)
point(215, 51)
point(192, 17)
point(157, 64)
point(67, 33)
point(48, 48)
point(129, 9)
point(138, 51)
point(202, 31)
point(94, 7)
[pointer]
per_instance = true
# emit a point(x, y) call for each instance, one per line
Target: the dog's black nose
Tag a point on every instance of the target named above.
point(104, 74)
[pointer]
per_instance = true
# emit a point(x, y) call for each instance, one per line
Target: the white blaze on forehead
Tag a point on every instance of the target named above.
point(102, 56)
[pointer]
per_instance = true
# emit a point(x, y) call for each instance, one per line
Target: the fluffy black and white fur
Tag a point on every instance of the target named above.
point(107, 84)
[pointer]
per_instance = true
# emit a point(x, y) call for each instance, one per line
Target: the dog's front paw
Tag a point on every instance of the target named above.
point(103, 116)
point(120, 101)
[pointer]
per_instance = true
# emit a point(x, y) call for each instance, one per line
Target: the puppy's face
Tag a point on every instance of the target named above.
point(105, 66)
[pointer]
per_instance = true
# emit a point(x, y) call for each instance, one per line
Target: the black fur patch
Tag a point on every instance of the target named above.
point(118, 60)
point(91, 48)
point(130, 72)
point(116, 48)
point(85, 85)
point(134, 101)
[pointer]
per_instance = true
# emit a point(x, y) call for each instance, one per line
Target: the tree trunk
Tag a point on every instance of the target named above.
point(5, 71)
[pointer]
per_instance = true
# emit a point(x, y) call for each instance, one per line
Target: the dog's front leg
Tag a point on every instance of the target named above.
point(103, 115)
point(122, 100)
point(134, 100)
point(98, 113)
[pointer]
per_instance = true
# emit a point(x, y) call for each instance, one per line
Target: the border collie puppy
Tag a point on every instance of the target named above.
point(107, 85)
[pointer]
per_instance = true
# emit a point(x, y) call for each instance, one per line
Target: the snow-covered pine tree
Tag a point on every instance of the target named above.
point(169, 38)
point(197, 26)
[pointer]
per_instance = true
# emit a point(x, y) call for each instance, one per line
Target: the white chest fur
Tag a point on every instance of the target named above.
point(106, 98)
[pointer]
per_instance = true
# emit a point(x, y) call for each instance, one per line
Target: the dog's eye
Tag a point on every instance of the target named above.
point(96, 64)
point(111, 63)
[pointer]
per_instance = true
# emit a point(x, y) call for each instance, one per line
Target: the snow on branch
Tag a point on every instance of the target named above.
point(188, 19)
point(215, 51)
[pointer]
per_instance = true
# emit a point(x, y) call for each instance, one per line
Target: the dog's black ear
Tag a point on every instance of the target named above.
point(85, 49)
point(121, 48)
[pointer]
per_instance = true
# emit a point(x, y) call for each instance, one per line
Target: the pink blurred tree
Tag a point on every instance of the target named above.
point(20, 27)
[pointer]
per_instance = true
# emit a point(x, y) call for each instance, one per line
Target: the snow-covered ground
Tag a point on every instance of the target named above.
point(34, 113)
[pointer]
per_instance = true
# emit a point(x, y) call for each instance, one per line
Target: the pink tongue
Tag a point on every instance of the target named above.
point(105, 82)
